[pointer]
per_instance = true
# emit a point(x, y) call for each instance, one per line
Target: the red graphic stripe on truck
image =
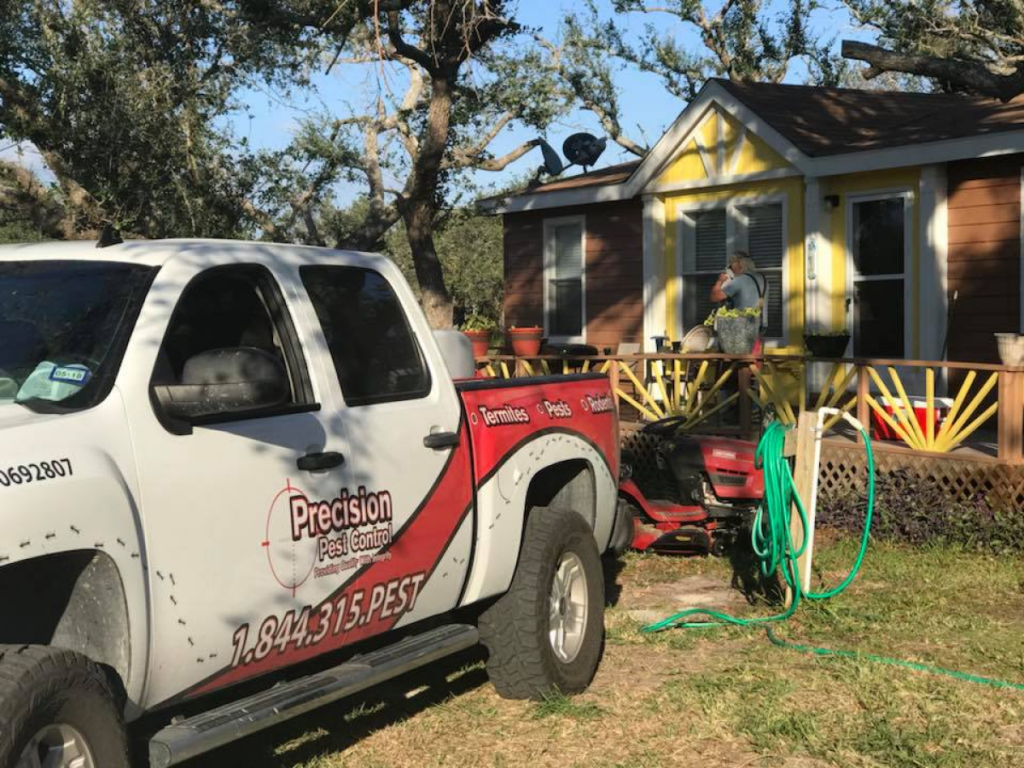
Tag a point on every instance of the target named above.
point(501, 419)
point(374, 599)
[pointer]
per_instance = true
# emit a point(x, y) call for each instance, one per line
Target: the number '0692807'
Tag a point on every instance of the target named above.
point(36, 472)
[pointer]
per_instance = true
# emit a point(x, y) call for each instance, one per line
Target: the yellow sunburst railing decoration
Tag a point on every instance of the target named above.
point(957, 426)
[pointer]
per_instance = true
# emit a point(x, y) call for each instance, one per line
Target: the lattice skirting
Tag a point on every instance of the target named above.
point(842, 470)
point(1002, 485)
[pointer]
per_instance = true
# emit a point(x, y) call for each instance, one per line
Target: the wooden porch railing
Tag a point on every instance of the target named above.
point(728, 392)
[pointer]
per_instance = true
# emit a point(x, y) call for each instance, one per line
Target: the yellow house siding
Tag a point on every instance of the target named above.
point(687, 167)
point(792, 191)
point(896, 181)
point(757, 157)
point(743, 153)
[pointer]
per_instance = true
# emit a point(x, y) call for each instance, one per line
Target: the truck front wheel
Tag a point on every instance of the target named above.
point(547, 632)
point(58, 711)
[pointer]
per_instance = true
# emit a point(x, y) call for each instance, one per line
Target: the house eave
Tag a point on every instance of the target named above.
point(563, 198)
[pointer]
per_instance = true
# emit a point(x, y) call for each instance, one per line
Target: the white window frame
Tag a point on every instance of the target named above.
point(909, 222)
point(684, 239)
point(549, 275)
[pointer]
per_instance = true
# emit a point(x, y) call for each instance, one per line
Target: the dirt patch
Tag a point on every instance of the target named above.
point(656, 601)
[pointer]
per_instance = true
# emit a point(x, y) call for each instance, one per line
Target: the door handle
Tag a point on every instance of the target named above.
point(441, 440)
point(317, 462)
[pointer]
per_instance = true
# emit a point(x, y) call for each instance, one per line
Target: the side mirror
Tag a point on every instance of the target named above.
point(223, 382)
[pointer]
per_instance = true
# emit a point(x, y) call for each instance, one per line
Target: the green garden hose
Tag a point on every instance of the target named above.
point(773, 546)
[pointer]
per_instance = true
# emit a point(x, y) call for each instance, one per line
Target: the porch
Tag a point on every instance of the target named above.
point(963, 427)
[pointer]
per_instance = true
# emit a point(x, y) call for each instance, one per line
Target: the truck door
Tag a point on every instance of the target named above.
point(408, 444)
point(231, 499)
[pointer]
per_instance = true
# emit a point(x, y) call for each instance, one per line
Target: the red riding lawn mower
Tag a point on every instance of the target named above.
point(688, 494)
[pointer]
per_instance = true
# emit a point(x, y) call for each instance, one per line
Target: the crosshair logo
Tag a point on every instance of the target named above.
point(291, 562)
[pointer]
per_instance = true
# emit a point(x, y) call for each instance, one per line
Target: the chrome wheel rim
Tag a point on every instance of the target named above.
point(567, 609)
point(57, 746)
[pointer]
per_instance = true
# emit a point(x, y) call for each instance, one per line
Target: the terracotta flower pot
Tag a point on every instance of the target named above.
point(481, 342)
point(525, 341)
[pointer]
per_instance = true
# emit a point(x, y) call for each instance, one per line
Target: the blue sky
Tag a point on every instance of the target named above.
point(647, 109)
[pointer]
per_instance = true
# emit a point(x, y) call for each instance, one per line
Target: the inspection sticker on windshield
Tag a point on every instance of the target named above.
point(71, 374)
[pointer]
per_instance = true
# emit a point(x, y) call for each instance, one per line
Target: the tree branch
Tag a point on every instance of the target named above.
point(408, 50)
point(971, 75)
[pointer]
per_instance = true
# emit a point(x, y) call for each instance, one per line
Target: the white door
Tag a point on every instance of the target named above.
point(878, 257)
point(233, 546)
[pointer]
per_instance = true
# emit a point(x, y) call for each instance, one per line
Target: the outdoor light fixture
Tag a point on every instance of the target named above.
point(832, 201)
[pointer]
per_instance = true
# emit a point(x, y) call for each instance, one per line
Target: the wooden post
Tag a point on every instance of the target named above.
point(1011, 416)
point(803, 486)
point(746, 421)
point(863, 390)
point(613, 382)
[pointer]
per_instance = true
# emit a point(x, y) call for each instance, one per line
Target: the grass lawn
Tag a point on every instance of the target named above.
point(723, 697)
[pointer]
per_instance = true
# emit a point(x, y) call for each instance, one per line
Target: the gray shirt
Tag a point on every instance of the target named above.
point(744, 292)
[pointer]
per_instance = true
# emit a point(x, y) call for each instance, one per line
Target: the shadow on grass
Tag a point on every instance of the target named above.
point(339, 726)
point(613, 567)
point(748, 579)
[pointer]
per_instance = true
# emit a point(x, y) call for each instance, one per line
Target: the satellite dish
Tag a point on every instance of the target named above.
point(583, 149)
point(552, 162)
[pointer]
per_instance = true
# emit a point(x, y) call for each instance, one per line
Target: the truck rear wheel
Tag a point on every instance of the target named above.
point(58, 711)
point(547, 632)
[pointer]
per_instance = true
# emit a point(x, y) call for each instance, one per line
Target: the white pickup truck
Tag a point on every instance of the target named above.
point(219, 460)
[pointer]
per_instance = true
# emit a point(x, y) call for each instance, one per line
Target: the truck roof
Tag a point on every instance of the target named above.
point(209, 252)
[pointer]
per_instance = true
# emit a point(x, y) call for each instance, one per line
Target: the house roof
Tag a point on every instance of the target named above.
point(612, 174)
point(833, 121)
point(819, 131)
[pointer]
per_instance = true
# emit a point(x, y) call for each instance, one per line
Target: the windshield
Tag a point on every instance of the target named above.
point(63, 325)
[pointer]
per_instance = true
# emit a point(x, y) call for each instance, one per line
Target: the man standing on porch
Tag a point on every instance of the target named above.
point(746, 289)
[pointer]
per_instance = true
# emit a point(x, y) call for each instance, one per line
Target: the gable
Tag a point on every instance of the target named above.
point(719, 148)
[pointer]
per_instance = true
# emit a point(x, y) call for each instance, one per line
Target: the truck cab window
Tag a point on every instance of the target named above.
point(375, 352)
point(231, 308)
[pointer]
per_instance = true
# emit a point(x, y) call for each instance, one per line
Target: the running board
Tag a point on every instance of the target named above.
point(185, 739)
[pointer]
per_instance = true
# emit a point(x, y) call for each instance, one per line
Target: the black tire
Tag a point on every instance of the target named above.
point(522, 662)
point(624, 530)
point(42, 686)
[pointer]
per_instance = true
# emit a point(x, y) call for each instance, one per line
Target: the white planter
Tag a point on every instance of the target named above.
point(1011, 349)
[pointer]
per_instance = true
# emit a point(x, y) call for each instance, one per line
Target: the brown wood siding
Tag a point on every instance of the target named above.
point(984, 254)
point(613, 272)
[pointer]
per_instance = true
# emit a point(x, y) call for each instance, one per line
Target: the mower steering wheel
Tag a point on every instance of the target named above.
point(663, 426)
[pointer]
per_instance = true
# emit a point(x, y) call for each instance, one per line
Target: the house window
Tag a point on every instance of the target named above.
point(564, 310)
point(711, 236)
point(878, 281)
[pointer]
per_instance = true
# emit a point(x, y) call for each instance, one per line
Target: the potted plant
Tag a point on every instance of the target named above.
point(478, 329)
point(736, 329)
point(827, 343)
point(1011, 349)
point(525, 339)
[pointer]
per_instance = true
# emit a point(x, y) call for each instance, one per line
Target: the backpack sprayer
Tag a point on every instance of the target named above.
point(774, 538)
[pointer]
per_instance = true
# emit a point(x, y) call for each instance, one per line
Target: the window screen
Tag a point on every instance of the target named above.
point(702, 265)
point(374, 350)
point(565, 285)
point(758, 229)
point(765, 246)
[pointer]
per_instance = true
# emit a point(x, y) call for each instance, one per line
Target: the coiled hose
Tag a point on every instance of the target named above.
point(772, 543)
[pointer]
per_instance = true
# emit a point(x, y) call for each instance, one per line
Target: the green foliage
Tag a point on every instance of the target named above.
point(731, 314)
point(19, 232)
point(470, 248)
point(987, 34)
point(123, 100)
point(479, 323)
point(915, 511)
